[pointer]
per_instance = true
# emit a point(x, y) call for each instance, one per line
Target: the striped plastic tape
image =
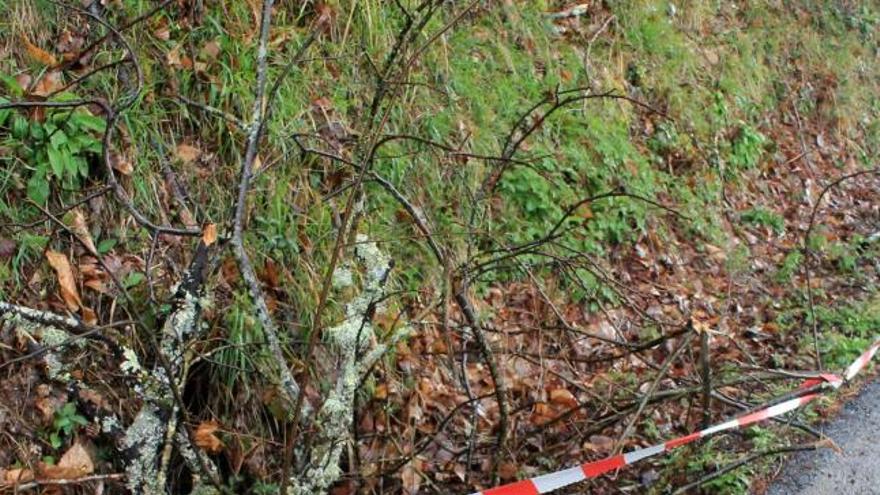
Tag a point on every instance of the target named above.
point(553, 481)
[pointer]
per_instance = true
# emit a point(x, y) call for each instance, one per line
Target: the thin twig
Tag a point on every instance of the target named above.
point(288, 384)
point(71, 481)
point(662, 373)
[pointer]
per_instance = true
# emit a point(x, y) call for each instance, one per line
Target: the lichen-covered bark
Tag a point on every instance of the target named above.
point(351, 339)
point(151, 438)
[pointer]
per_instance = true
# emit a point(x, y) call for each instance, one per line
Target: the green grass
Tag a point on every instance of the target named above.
point(847, 330)
point(720, 74)
point(763, 217)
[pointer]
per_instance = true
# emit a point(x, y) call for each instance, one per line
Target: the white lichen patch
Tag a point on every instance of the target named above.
point(110, 424)
point(376, 262)
point(54, 337)
point(144, 437)
point(179, 325)
point(351, 334)
point(55, 368)
point(342, 277)
point(130, 363)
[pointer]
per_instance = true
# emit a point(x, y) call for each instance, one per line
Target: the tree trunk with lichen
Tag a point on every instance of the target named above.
point(150, 440)
point(352, 341)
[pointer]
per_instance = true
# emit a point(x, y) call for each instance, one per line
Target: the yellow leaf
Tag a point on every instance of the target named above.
point(37, 53)
point(381, 392)
point(206, 439)
point(209, 234)
point(66, 280)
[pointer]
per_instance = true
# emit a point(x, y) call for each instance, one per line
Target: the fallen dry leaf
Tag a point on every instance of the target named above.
point(162, 31)
point(211, 50)
point(410, 479)
point(19, 475)
point(48, 84)
point(121, 164)
point(96, 285)
point(66, 280)
point(37, 53)
point(75, 463)
point(508, 471)
point(172, 58)
point(206, 439)
point(599, 443)
point(209, 234)
point(81, 230)
point(269, 274)
point(46, 406)
point(541, 414)
point(95, 398)
point(89, 316)
point(563, 397)
point(8, 248)
point(68, 43)
point(187, 153)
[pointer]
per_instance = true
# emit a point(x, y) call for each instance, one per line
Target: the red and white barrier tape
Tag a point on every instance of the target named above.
point(553, 481)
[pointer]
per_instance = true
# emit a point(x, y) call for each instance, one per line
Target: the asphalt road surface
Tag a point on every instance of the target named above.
point(855, 472)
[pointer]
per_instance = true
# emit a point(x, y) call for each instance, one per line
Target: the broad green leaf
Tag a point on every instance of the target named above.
point(70, 165)
point(37, 131)
point(12, 84)
point(89, 122)
point(82, 167)
point(57, 138)
point(38, 188)
point(133, 279)
point(56, 161)
point(106, 245)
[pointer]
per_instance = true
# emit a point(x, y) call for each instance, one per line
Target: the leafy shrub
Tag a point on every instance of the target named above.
point(66, 421)
point(746, 148)
point(57, 149)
